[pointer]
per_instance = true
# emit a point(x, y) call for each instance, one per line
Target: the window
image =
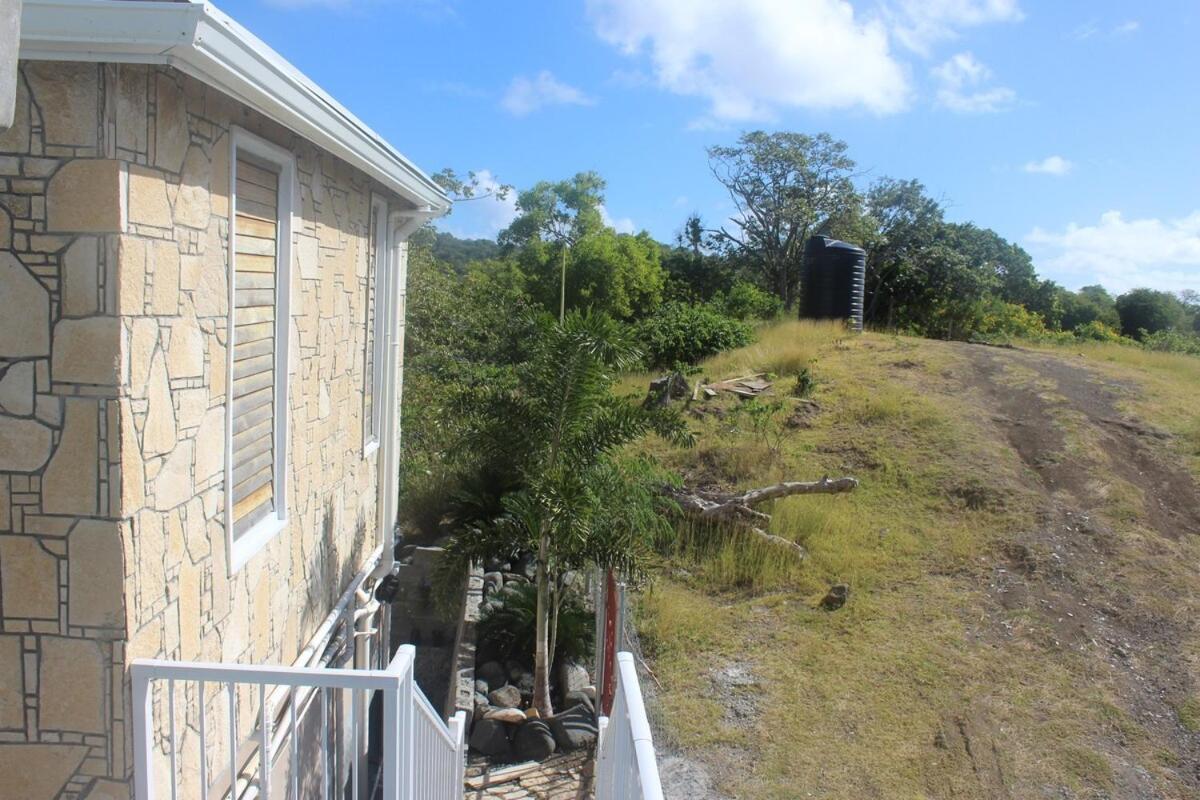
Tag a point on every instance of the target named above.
point(374, 357)
point(256, 419)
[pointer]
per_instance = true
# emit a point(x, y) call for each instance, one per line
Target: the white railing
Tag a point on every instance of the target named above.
point(626, 768)
point(288, 732)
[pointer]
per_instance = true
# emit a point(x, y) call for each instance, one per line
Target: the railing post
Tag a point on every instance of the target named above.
point(143, 735)
point(458, 728)
point(407, 723)
point(391, 741)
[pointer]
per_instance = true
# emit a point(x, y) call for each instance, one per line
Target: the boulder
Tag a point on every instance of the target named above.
point(492, 582)
point(836, 598)
point(492, 674)
point(526, 565)
point(513, 578)
point(574, 728)
point(533, 741)
point(514, 670)
point(510, 715)
point(572, 677)
point(481, 687)
point(505, 697)
point(490, 737)
point(578, 699)
point(525, 683)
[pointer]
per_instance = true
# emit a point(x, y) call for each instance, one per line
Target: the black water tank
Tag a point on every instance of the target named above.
point(832, 281)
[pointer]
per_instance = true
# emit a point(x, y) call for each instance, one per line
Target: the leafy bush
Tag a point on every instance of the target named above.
point(805, 383)
point(995, 318)
point(678, 333)
point(1097, 331)
point(508, 631)
point(1172, 342)
point(745, 301)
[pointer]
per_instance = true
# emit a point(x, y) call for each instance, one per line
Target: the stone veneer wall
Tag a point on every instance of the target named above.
point(113, 266)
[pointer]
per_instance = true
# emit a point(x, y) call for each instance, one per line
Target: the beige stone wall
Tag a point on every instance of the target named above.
point(113, 263)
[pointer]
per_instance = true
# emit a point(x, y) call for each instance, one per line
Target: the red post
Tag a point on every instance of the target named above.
point(609, 689)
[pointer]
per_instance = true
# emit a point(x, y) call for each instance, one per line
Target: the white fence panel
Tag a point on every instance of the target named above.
point(288, 732)
point(626, 767)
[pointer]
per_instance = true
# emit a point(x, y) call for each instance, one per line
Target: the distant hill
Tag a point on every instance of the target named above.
point(460, 252)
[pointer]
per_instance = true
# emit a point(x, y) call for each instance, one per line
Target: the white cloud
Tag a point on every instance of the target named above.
point(1050, 165)
point(963, 87)
point(526, 95)
point(484, 217)
point(619, 224)
point(1091, 29)
point(1122, 254)
point(752, 58)
point(918, 24)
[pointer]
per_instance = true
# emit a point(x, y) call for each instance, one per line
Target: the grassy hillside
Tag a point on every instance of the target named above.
point(1024, 563)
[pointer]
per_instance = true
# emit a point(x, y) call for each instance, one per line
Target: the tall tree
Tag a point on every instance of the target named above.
point(903, 221)
point(567, 495)
point(561, 214)
point(1149, 311)
point(784, 186)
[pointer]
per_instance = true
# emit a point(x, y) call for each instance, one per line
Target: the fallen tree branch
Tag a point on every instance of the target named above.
point(735, 508)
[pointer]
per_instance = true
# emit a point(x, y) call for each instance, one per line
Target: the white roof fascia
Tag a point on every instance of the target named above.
point(200, 40)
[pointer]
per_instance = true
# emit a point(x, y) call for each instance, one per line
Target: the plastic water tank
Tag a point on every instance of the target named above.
point(832, 281)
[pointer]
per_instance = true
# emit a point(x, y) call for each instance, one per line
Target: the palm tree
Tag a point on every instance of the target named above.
point(552, 447)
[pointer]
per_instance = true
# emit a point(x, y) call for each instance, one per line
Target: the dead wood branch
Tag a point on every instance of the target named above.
point(735, 508)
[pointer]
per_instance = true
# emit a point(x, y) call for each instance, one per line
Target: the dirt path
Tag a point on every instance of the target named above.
point(1100, 573)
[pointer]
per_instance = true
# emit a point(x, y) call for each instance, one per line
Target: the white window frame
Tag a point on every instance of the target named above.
point(372, 426)
point(242, 548)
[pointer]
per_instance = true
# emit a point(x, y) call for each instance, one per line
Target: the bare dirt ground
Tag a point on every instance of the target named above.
point(1107, 591)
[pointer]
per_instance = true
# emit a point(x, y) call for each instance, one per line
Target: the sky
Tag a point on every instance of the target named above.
point(1068, 126)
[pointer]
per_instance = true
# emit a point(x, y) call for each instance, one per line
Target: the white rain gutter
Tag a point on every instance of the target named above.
point(200, 40)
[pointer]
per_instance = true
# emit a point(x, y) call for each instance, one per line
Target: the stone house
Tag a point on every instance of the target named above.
point(202, 270)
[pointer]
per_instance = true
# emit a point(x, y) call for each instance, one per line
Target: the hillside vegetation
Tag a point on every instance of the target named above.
point(1022, 555)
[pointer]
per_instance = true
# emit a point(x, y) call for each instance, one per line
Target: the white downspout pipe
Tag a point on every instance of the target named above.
point(401, 225)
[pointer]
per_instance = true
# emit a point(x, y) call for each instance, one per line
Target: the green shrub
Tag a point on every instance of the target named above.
point(745, 301)
point(1172, 342)
point(805, 383)
point(508, 631)
point(678, 333)
point(1097, 331)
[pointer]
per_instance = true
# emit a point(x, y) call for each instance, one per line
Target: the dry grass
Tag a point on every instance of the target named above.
point(852, 703)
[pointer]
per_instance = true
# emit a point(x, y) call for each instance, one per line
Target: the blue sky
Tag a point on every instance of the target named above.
point(1069, 127)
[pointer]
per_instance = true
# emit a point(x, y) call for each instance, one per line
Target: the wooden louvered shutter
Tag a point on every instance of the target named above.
point(254, 300)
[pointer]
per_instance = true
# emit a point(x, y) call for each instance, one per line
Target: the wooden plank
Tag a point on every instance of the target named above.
point(255, 516)
point(252, 432)
point(252, 349)
point(252, 173)
point(245, 262)
point(256, 194)
point(253, 483)
point(254, 298)
point(253, 315)
point(243, 279)
point(252, 332)
point(252, 383)
point(251, 418)
point(253, 245)
point(250, 226)
point(249, 208)
point(248, 468)
point(253, 366)
point(252, 401)
point(252, 449)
